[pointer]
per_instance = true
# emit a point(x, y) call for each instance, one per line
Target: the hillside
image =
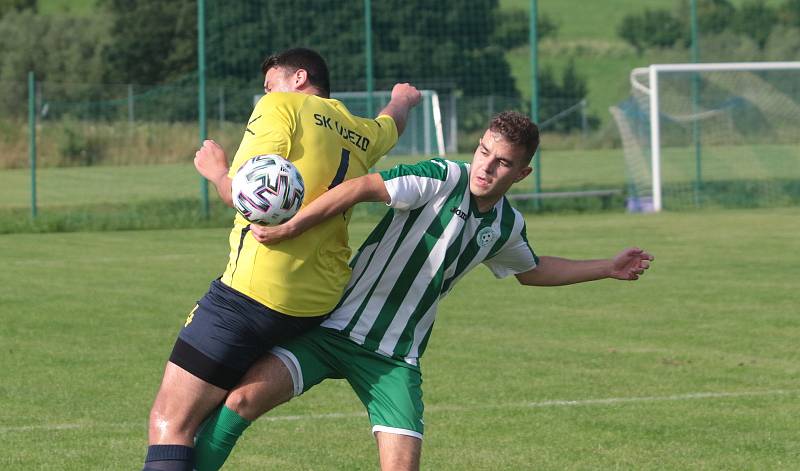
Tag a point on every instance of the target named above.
point(588, 34)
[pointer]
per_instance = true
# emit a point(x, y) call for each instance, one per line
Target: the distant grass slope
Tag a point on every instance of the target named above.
point(579, 19)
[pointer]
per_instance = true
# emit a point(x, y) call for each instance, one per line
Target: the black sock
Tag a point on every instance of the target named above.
point(169, 458)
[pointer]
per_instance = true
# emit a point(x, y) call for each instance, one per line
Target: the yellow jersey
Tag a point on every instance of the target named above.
point(304, 276)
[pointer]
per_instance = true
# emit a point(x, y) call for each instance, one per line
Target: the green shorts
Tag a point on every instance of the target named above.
point(390, 389)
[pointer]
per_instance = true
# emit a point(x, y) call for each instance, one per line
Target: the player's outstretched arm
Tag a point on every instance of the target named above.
point(331, 203)
point(554, 271)
point(212, 163)
point(404, 97)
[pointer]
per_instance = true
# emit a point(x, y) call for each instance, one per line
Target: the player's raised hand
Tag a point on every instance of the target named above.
point(630, 263)
point(406, 93)
point(269, 235)
point(211, 161)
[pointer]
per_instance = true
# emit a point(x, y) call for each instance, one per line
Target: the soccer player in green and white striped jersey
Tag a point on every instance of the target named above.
point(435, 234)
point(445, 218)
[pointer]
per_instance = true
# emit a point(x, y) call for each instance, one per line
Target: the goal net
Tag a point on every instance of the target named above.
point(712, 135)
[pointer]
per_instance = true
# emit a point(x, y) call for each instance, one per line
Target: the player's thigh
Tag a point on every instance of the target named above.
point(398, 452)
point(310, 359)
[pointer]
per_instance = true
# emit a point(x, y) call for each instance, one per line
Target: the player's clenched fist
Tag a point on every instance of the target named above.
point(211, 161)
point(407, 93)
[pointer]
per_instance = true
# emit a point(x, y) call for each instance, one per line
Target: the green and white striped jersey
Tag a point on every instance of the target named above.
point(431, 237)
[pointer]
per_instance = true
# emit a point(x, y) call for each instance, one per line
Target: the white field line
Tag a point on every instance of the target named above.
point(442, 408)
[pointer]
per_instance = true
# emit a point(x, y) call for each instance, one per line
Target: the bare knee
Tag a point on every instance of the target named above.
point(168, 424)
point(245, 402)
point(252, 400)
point(182, 402)
point(265, 386)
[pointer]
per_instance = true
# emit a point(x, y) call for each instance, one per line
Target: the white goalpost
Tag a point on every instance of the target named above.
point(739, 108)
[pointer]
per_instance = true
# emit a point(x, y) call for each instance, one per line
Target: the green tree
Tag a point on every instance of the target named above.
point(557, 97)
point(445, 42)
point(16, 5)
point(789, 13)
point(755, 19)
point(653, 28)
point(714, 16)
point(631, 30)
point(151, 41)
point(449, 44)
point(512, 28)
point(783, 44)
point(58, 49)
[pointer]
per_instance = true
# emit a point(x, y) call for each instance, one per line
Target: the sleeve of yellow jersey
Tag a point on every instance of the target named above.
point(386, 133)
point(269, 129)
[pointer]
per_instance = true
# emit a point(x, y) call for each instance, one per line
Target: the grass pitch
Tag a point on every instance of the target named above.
point(693, 367)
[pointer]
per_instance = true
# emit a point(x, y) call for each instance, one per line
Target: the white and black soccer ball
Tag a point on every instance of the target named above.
point(267, 190)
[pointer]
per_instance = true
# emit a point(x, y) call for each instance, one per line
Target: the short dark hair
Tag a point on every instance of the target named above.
point(518, 130)
point(306, 59)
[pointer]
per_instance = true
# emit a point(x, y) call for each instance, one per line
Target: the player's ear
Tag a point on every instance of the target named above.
point(300, 78)
point(523, 173)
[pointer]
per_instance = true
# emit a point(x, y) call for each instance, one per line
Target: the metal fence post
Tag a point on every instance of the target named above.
point(201, 94)
point(534, 43)
point(368, 57)
point(32, 137)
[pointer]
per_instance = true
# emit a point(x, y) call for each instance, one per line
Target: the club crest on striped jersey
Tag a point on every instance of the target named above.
point(486, 236)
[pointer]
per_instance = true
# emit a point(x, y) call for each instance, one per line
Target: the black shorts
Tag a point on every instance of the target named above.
point(228, 331)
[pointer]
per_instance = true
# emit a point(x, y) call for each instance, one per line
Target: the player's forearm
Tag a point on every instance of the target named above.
point(212, 163)
point(223, 185)
point(404, 97)
point(556, 271)
point(338, 200)
point(398, 111)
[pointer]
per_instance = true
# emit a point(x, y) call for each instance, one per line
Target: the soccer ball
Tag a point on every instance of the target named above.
point(267, 190)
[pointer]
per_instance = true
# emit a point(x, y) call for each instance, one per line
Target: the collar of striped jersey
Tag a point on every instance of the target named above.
point(475, 212)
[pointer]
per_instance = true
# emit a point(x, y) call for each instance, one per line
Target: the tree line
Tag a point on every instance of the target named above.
point(769, 28)
point(455, 43)
point(453, 46)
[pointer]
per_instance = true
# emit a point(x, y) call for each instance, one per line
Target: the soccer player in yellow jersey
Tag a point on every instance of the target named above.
point(270, 294)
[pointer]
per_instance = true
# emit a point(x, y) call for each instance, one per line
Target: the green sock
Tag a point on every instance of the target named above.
point(217, 437)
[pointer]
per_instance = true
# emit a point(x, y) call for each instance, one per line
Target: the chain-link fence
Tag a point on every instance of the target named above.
point(126, 149)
